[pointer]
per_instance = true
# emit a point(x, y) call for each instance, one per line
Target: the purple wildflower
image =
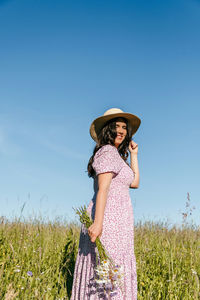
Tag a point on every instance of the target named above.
point(29, 273)
point(108, 286)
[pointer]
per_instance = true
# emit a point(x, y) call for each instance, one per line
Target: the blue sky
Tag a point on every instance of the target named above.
point(64, 63)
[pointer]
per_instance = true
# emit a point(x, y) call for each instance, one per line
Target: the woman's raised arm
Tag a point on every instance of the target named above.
point(133, 148)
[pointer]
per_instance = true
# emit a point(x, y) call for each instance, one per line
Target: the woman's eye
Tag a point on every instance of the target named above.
point(124, 127)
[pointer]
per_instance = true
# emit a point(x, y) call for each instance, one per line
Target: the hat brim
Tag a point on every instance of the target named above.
point(98, 124)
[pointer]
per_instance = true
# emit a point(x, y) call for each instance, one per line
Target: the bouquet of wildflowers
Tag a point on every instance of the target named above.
point(108, 275)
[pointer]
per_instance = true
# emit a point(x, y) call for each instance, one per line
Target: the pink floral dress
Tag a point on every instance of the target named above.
point(118, 231)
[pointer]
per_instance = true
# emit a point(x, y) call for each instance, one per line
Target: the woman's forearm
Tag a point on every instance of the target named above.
point(104, 180)
point(135, 168)
point(100, 206)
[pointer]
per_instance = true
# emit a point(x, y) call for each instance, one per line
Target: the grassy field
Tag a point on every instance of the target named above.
point(37, 260)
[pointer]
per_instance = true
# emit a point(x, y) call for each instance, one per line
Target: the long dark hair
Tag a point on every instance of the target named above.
point(107, 137)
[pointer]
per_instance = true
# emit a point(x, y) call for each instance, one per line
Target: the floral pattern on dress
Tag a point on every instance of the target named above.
point(117, 234)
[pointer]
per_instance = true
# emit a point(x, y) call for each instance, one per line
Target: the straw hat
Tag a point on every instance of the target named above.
point(98, 124)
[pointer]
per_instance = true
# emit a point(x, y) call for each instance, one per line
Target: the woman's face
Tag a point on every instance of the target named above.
point(121, 130)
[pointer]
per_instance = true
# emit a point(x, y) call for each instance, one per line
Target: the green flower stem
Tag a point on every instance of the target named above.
point(87, 221)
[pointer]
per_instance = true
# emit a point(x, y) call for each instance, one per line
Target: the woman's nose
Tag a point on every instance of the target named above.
point(121, 130)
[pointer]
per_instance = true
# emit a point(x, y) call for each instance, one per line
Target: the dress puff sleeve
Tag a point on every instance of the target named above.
point(107, 159)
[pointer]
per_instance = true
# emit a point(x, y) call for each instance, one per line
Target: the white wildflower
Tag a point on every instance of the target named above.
point(17, 270)
point(109, 276)
point(194, 272)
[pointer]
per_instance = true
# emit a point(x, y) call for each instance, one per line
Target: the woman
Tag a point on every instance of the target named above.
point(111, 208)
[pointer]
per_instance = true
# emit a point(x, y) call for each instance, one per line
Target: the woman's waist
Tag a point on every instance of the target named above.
point(121, 201)
point(115, 191)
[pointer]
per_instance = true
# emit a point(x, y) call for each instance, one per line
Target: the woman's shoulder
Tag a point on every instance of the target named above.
point(107, 159)
point(106, 148)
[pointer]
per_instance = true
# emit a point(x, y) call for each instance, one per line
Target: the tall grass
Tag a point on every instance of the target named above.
point(37, 260)
point(168, 262)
